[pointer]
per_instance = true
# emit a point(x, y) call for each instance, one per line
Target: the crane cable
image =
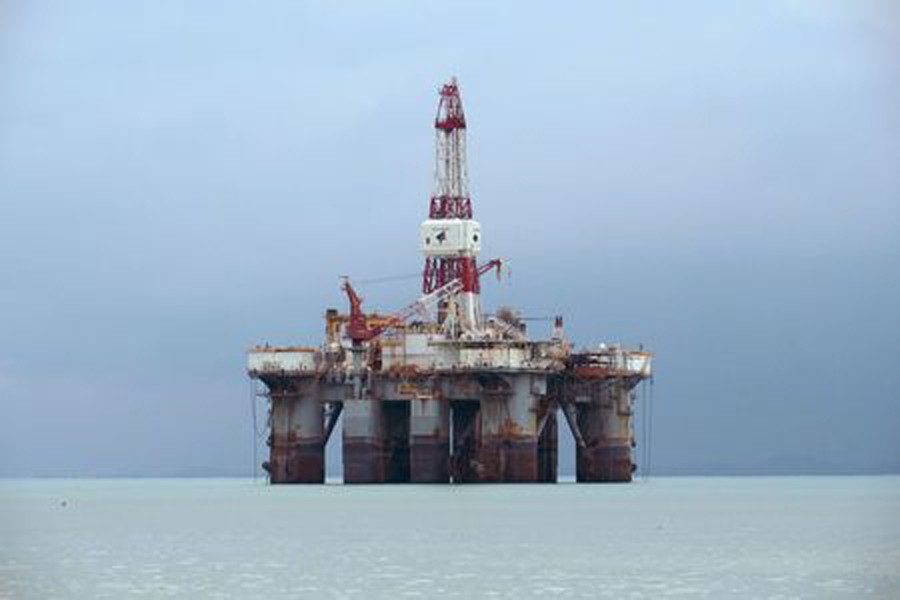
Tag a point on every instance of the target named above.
point(255, 431)
point(650, 430)
point(386, 279)
point(258, 433)
point(644, 432)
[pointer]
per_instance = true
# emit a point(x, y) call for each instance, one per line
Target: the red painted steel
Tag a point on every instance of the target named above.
point(450, 199)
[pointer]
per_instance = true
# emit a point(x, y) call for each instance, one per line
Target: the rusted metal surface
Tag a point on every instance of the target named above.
point(508, 444)
point(363, 443)
point(429, 441)
point(489, 419)
point(429, 459)
point(296, 441)
point(263, 360)
point(363, 461)
point(376, 442)
point(610, 361)
point(295, 462)
point(422, 426)
point(506, 460)
point(604, 464)
point(605, 422)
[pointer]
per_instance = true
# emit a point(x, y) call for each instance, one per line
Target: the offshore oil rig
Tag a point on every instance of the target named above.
point(438, 391)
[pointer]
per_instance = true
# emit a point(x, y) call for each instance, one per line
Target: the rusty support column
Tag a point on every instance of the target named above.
point(509, 439)
point(363, 441)
point(429, 430)
point(605, 422)
point(296, 442)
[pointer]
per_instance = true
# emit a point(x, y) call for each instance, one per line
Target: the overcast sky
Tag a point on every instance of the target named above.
point(719, 181)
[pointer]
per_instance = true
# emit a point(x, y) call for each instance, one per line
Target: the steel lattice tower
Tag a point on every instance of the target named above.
point(450, 199)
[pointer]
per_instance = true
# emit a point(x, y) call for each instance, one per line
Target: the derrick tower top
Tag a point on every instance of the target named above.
point(451, 186)
point(451, 240)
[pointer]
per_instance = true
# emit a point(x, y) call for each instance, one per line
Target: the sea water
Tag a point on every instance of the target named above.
point(780, 537)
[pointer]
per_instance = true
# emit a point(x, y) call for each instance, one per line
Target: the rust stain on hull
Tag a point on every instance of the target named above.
point(612, 464)
point(507, 461)
point(363, 462)
point(429, 459)
point(491, 427)
point(296, 463)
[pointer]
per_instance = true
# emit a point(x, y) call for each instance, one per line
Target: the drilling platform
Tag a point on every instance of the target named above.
point(439, 392)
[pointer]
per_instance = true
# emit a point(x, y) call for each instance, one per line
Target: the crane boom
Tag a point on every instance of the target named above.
point(359, 330)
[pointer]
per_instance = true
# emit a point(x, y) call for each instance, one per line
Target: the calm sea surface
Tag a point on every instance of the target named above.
point(805, 537)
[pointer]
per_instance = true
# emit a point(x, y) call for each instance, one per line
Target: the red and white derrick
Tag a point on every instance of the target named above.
point(451, 239)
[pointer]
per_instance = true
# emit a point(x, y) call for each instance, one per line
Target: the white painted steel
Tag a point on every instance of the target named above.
point(409, 350)
point(498, 357)
point(451, 237)
point(434, 351)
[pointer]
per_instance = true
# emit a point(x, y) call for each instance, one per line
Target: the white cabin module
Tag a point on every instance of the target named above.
point(451, 237)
